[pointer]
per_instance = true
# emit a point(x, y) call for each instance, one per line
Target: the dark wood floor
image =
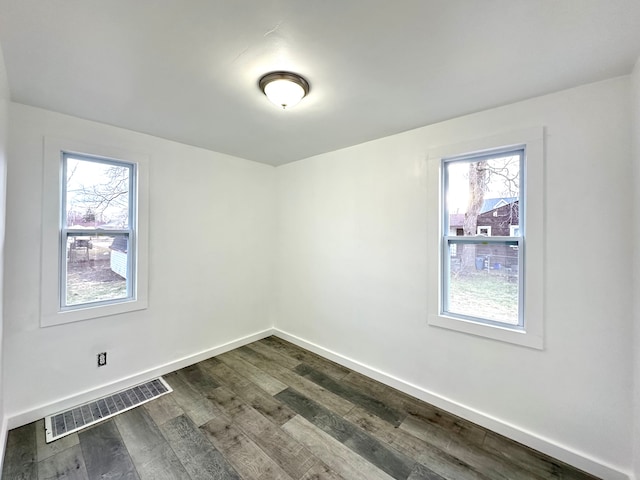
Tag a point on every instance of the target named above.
point(269, 411)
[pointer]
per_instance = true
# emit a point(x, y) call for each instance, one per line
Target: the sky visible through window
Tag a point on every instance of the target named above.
point(503, 181)
point(97, 194)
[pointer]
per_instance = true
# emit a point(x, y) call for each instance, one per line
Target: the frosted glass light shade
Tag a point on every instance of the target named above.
point(284, 89)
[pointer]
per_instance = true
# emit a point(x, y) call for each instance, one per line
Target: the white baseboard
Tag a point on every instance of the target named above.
point(28, 416)
point(530, 439)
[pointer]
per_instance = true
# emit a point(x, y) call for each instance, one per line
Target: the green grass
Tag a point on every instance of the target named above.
point(487, 295)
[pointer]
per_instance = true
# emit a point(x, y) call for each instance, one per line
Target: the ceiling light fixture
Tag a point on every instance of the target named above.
point(285, 89)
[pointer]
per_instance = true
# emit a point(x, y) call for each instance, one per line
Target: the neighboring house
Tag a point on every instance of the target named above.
point(498, 217)
point(500, 221)
point(456, 222)
point(119, 249)
point(493, 203)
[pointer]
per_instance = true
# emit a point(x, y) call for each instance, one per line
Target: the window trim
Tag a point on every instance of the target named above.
point(51, 310)
point(531, 334)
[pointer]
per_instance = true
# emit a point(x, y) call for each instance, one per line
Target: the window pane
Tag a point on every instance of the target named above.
point(97, 194)
point(483, 281)
point(96, 268)
point(483, 196)
point(482, 199)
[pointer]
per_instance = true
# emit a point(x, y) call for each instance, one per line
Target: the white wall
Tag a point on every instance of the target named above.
point(211, 243)
point(353, 263)
point(4, 127)
point(635, 135)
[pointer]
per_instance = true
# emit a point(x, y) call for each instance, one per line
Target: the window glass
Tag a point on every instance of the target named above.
point(96, 268)
point(483, 255)
point(98, 206)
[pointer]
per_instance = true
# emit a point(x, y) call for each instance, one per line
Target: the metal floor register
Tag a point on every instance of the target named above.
point(64, 423)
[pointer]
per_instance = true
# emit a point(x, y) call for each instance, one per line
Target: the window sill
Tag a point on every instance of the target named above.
point(516, 335)
point(89, 312)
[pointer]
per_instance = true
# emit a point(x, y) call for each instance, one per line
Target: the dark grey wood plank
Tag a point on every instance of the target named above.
point(20, 456)
point(199, 457)
point(531, 460)
point(394, 463)
point(65, 465)
point(334, 454)
point(483, 461)
point(332, 369)
point(151, 454)
point(321, 472)
point(250, 393)
point(191, 400)
point(423, 452)
point(227, 401)
point(245, 456)
point(420, 472)
point(409, 405)
point(105, 454)
point(292, 456)
point(198, 378)
point(46, 450)
point(328, 399)
point(253, 373)
point(274, 356)
point(163, 409)
point(351, 394)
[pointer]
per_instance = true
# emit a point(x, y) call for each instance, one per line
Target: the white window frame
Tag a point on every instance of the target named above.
point(52, 310)
point(130, 231)
point(531, 332)
point(483, 231)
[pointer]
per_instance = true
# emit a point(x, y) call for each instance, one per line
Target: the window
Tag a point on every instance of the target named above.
point(486, 231)
point(97, 242)
point(95, 232)
point(487, 280)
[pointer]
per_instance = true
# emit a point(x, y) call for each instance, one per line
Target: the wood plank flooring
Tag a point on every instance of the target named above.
point(273, 411)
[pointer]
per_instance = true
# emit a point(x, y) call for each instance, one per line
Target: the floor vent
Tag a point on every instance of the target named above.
point(63, 423)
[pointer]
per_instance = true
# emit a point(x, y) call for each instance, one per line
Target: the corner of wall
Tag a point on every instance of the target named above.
point(4, 126)
point(635, 136)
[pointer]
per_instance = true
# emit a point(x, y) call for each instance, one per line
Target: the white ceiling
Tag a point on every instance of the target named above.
point(187, 70)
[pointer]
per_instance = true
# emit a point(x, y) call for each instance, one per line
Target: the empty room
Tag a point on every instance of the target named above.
point(357, 239)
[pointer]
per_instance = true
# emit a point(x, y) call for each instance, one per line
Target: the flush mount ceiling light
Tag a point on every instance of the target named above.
point(285, 89)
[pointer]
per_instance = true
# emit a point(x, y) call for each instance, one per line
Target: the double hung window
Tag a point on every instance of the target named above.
point(486, 237)
point(95, 228)
point(483, 269)
point(97, 234)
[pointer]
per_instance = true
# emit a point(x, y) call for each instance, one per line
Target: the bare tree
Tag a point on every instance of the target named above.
point(109, 193)
point(478, 180)
point(503, 175)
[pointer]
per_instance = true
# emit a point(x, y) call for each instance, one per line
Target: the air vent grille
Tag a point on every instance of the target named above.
point(77, 418)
